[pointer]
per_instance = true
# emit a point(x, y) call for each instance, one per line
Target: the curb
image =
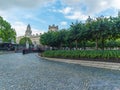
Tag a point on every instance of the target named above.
point(97, 64)
point(6, 52)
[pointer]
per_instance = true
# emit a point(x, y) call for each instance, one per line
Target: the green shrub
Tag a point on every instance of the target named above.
point(81, 54)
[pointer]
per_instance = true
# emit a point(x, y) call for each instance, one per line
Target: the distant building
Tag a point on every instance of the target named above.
point(35, 38)
point(89, 19)
point(28, 33)
point(53, 28)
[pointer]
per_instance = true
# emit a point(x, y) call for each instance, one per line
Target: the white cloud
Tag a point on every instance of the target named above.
point(3, 14)
point(76, 15)
point(74, 9)
point(103, 3)
point(5, 4)
point(93, 6)
point(63, 23)
point(29, 16)
point(66, 10)
point(71, 2)
point(35, 18)
point(116, 4)
point(20, 29)
point(71, 13)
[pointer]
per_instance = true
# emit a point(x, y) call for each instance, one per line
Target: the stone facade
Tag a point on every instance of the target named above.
point(33, 37)
point(53, 28)
point(28, 32)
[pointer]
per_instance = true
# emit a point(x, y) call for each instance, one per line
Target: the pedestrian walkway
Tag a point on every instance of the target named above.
point(6, 52)
point(98, 64)
point(30, 72)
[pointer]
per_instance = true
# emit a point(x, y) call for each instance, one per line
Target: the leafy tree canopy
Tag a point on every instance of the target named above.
point(7, 33)
point(99, 32)
point(24, 40)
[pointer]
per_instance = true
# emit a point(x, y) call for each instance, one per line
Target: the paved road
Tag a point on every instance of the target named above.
point(29, 72)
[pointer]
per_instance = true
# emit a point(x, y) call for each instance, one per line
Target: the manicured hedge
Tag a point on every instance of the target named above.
point(83, 54)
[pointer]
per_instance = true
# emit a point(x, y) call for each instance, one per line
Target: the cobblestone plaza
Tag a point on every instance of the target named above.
point(29, 72)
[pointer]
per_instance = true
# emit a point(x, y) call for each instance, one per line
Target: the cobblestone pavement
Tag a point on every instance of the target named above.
point(29, 72)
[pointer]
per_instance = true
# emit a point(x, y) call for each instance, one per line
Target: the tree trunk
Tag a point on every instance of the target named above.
point(96, 44)
point(84, 44)
point(102, 42)
point(70, 47)
point(60, 47)
point(76, 44)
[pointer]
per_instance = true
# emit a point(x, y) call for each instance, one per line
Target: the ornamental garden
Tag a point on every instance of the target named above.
point(97, 38)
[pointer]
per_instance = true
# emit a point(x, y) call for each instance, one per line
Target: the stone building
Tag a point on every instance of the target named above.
point(35, 38)
point(28, 33)
point(53, 28)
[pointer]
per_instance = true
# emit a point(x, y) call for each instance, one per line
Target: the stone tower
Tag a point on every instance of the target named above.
point(28, 31)
point(53, 28)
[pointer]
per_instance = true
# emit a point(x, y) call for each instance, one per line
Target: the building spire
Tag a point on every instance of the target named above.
point(28, 31)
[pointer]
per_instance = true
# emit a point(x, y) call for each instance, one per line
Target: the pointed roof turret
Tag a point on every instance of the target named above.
point(28, 31)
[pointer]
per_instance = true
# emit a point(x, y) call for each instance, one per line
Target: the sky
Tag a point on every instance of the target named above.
point(42, 13)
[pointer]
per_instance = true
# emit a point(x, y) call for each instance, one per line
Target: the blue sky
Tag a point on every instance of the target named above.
point(42, 13)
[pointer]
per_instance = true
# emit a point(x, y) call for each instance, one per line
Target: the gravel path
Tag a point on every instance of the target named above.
point(29, 72)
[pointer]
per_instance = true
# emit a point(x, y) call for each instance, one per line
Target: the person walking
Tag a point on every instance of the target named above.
point(23, 52)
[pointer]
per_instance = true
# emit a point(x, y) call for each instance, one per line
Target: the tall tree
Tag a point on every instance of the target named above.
point(6, 32)
point(77, 32)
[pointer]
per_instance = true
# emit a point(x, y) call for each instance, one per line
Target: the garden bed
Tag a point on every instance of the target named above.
point(91, 55)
